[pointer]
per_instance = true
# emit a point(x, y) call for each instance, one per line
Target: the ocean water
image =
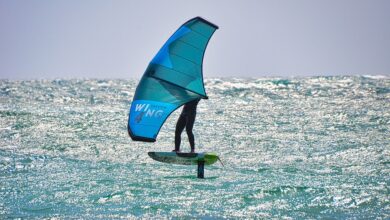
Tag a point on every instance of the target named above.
point(299, 148)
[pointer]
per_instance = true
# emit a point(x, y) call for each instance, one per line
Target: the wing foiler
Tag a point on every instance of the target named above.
point(173, 78)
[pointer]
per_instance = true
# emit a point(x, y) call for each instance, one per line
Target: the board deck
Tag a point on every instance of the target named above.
point(184, 158)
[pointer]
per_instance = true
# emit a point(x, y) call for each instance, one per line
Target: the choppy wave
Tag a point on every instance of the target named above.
point(314, 147)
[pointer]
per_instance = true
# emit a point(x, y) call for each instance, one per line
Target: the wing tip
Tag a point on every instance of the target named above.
point(206, 21)
point(138, 138)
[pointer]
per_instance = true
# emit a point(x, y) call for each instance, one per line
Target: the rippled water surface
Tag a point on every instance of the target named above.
point(296, 148)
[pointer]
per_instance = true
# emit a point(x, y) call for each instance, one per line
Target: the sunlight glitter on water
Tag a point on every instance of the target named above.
point(296, 148)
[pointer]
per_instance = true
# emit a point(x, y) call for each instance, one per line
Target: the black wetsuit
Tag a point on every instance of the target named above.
point(186, 120)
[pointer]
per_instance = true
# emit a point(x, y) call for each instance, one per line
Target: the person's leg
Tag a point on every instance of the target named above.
point(181, 123)
point(189, 126)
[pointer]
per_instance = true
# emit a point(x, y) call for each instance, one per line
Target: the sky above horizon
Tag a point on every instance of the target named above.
point(117, 39)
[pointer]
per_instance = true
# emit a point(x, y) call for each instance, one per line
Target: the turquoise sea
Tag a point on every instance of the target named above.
point(297, 148)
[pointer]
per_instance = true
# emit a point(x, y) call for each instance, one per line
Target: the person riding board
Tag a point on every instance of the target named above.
point(186, 120)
